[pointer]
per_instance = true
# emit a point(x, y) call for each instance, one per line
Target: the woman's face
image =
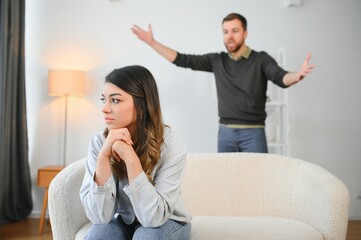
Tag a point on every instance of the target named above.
point(118, 110)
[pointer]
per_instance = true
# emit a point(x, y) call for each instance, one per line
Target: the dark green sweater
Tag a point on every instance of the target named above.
point(241, 85)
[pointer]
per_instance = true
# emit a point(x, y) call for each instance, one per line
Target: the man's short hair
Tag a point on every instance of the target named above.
point(232, 16)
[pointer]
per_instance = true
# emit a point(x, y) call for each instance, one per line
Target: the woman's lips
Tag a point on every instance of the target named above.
point(108, 119)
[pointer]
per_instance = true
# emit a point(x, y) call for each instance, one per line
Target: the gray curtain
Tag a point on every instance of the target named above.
point(15, 181)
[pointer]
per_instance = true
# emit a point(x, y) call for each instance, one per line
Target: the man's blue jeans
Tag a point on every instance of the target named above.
point(118, 230)
point(242, 140)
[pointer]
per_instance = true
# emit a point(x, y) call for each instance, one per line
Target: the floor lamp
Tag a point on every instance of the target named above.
point(66, 83)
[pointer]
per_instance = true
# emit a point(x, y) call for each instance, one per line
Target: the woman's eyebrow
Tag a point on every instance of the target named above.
point(112, 94)
point(115, 94)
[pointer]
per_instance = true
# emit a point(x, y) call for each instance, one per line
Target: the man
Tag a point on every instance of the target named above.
point(241, 78)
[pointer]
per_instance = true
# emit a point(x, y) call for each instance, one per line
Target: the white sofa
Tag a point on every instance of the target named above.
point(233, 196)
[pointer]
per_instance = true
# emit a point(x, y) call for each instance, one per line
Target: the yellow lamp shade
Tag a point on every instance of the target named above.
point(66, 82)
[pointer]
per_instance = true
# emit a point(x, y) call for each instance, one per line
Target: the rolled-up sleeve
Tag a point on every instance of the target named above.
point(272, 71)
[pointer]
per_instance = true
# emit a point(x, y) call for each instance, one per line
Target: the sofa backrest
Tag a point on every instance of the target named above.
point(253, 184)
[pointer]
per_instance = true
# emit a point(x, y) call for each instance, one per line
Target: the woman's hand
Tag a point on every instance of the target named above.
point(103, 169)
point(123, 150)
point(114, 135)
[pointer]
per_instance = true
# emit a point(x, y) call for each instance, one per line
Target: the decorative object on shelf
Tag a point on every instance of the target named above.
point(63, 82)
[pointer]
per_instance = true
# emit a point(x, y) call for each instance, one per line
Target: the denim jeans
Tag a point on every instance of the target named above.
point(118, 230)
point(242, 140)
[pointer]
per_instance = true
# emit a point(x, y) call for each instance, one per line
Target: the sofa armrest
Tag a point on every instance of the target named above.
point(320, 199)
point(65, 209)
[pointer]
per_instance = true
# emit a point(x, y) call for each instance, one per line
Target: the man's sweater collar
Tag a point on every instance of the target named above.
point(243, 55)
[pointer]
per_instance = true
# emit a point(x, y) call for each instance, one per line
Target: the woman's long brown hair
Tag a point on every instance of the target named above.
point(140, 83)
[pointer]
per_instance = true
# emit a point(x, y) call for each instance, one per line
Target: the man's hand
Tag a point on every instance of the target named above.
point(145, 36)
point(306, 68)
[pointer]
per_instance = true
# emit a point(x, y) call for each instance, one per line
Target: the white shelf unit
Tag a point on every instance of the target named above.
point(277, 122)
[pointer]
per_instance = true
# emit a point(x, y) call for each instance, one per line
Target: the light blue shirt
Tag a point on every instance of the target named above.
point(151, 205)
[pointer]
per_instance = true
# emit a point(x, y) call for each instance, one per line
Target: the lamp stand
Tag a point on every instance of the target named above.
point(65, 128)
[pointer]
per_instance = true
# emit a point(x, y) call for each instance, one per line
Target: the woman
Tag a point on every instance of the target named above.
point(134, 169)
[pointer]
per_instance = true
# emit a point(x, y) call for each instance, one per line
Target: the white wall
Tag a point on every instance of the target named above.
point(95, 36)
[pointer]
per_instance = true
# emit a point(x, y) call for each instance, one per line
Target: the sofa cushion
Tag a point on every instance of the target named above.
point(247, 228)
point(251, 228)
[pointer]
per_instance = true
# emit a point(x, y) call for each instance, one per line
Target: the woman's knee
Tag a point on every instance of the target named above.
point(170, 230)
point(147, 233)
point(109, 231)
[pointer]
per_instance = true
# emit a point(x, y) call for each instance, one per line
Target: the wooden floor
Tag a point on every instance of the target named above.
point(28, 230)
point(25, 230)
point(354, 230)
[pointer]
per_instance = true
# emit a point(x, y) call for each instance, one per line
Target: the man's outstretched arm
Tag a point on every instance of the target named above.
point(294, 77)
point(148, 38)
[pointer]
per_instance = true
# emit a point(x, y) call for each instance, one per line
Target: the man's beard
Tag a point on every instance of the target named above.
point(235, 48)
